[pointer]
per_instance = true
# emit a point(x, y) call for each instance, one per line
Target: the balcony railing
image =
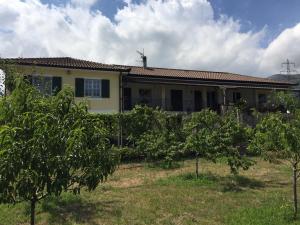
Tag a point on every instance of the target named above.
point(166, 104)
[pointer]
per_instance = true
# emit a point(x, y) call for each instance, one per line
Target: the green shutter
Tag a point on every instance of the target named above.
point(79, 87)
point(105, 88)
point(56, 84)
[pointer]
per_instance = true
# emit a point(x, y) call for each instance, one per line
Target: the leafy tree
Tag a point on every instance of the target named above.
point(233, 137)
point(202, 135)
point(137, 122)
point(8, 74)
point(165, 139)
point(49, 145)
point(277, 136)
point(211, 137)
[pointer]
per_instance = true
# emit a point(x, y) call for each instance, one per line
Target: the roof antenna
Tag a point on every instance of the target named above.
point(288, 66)
point(143, 57)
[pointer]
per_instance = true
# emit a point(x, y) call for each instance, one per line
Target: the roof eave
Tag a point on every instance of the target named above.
point(224, 82)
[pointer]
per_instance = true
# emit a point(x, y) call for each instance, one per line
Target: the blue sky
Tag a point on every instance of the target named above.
point(254, 15)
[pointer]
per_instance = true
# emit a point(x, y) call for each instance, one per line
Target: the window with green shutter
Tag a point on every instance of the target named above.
point(93, 88)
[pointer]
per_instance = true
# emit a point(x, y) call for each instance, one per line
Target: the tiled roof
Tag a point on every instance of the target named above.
point(66, 62)
point(203, 75)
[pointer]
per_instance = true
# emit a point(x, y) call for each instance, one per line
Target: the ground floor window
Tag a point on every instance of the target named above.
point(177, 100)
point(43, 84)
point(262, 99)
point(198, 100)
point(236, 97)
point(92, 88)
point(145, 96)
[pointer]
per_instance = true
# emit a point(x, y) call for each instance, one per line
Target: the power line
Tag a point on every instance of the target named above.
point(287, 66)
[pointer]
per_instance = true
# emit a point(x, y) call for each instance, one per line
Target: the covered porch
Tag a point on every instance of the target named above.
point(190, 97)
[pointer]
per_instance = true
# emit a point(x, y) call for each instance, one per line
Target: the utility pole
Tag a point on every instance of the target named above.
point(287, 68)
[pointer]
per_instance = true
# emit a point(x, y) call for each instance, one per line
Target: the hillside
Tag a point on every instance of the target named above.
point(294, 78)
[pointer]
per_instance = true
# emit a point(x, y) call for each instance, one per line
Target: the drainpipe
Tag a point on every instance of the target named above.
point(120, 138)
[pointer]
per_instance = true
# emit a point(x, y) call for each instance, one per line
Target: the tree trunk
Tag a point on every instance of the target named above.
point(33, 201)
point(295, 190)
point(197, 165)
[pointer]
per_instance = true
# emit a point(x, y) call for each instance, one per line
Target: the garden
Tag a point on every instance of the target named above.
point(60, 164)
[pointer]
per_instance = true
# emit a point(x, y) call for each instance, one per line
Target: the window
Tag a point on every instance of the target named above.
point(236, 97)
point(262, 99)
point(92, 88)
point(177, 100)
point(43, 84)
point(145, 96)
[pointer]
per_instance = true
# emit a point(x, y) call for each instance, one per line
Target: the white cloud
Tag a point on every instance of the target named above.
point(83, 3)
point(174, 33)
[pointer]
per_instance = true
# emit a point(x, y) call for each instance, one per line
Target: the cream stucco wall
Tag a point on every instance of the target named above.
point(101, 105)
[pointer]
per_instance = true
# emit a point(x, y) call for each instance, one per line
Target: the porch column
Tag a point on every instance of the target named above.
point(222, 99)
point(163, 97)
point(204, 97)
point(223, 94)
point(255, 100)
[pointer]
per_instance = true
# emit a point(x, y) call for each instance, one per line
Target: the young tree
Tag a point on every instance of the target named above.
point(202, 135)
point(233, 136)
point(277, 136)
point(211, 137)
point(49, 145)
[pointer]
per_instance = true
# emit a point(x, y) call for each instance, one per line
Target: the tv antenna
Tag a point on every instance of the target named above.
point(143, 57)
point(288, 65)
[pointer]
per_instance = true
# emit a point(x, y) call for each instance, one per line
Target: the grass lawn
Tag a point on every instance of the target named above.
point(138, 194)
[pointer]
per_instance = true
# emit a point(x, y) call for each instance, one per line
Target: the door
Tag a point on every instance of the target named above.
point(127, 99)
point(176, 100)
point(212, 100)
point(197, 101)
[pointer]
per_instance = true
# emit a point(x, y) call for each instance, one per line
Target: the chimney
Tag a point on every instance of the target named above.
point(144, 61)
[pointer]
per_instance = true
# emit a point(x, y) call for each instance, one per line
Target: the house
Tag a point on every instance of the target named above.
point(115, 88)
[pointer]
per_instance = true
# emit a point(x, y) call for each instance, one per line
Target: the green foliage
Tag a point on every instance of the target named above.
point(233, 139)
point(49, 145)
point(285, 101)
point(202, 134)
point(138, 121)
point(9, 74)
point(277, 136)
point(211, 137)
point(164, 141)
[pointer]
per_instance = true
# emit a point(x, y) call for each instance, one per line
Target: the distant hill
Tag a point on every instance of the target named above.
point(294, 78)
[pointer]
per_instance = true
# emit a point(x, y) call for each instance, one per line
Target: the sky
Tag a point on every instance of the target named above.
point(250, 37)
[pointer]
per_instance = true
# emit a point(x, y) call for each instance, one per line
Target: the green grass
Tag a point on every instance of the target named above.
point(138, 194)
point(272, 212)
